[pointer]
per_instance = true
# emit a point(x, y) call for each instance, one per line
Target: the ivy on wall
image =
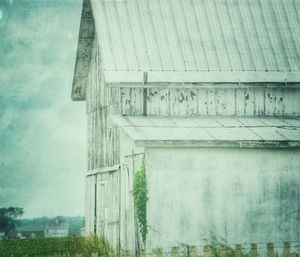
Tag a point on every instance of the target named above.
point(140, 193)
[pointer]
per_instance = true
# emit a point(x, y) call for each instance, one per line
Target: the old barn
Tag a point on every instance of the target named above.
point(207, 93)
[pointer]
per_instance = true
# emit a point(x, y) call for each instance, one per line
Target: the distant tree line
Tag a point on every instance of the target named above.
point(74, 222)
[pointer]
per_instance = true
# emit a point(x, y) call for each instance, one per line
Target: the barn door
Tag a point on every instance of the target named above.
point(108, 206)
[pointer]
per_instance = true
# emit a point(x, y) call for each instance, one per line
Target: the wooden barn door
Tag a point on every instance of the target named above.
point(108, 206)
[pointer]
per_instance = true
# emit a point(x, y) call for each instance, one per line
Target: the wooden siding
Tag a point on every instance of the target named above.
point(248, 100)
point(89, 204)
point(103, 145)
point(103, 139)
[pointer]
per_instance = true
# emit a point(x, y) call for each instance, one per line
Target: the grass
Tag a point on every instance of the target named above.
point(51, 246)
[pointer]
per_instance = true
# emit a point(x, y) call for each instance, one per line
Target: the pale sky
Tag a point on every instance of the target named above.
point(42, 132)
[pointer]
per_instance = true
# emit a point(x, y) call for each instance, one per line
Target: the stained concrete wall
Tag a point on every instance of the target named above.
point(243, 195)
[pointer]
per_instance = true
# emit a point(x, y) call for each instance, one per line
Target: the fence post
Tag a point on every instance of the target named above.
point(158, 252)
point(143, 253)
point(193, 251)
point(126, 253)
point(207, 251)
point(270, 249)
point(223, 251)
point(174, 252)
point(286, 249)
point(238, 250)
point(122, 253)
point(188, 251)
point(254, 250)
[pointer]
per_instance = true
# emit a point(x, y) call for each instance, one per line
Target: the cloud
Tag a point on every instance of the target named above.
point(42, 133)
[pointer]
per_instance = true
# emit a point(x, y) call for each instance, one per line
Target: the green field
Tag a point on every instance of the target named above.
point(52, 246)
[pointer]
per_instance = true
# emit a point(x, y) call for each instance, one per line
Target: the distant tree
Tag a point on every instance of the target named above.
point(8, 219)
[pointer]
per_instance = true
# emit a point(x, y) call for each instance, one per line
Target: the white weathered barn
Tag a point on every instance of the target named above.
point(208, 93)
point(56, 227)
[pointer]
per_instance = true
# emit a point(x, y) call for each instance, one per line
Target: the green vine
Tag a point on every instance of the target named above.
point(140, 199)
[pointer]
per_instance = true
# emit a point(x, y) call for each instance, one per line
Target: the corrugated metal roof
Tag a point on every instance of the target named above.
point(211, 131)
point(199, 35)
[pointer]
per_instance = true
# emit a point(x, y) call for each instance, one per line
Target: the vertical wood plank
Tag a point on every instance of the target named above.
point(158, 252)
point(125, 99)
point(136, 100)
point(193, 251)
point(174, 252)
point(239, 99)
point(286, 249)
point(248, 100)
point(98, 139)
point(126, 253)
point(211, 106)
point(164, 108)
point(202, 101)
point(269, 100)
point(270, 250)
point(143, 253)
point(220, 106)
point(291, 102)
point(192, 105)
point(93, 76)
point(105, 142)
point(207, 251)
point(279, 102)
point(93, 139)
point(89, 141)
point(254, 250)
point(98, 78)
point(238, 250)
point(223, 251)
point(259, 101)
point(174, 105)
point(152, 101)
